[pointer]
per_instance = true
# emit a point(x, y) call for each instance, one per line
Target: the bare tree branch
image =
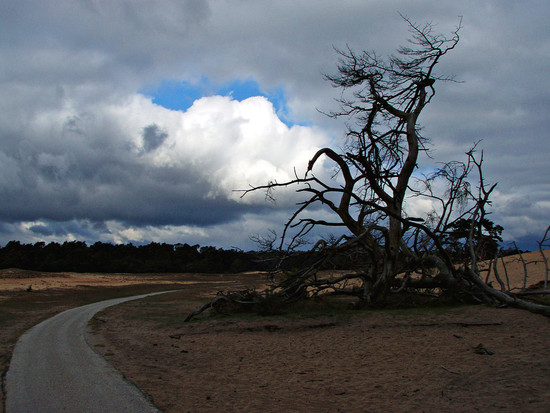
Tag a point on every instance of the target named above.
point(385, 250)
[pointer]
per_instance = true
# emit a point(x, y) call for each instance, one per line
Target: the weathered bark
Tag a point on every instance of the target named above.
point(524, 263)
point(505, 273)
point(497, 275)
point(545, 260)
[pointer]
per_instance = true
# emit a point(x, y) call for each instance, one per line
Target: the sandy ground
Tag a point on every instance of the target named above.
point(51, 293)
point(514, 273)
point(18, 280)
point(448, 359)
point(461, 359)
point(465, 359)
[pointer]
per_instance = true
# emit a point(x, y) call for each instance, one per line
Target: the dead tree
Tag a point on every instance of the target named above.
point(542, 244)
point(382, 100)
point(524, 264)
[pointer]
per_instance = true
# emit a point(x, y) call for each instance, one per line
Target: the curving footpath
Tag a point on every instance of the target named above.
point(53, 369)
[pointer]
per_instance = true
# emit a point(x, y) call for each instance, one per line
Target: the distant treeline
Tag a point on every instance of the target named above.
point(77, 256)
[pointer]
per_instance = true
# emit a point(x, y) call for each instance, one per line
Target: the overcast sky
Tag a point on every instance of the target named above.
point(135, 121)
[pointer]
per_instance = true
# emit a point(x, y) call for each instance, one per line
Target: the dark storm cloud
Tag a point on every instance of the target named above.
point(89, 171)
point(102, 185)
point(57, 229)
point(153, 137)
point(76, 148)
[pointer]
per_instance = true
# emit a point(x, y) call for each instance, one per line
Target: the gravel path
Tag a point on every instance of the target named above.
point(53, 369)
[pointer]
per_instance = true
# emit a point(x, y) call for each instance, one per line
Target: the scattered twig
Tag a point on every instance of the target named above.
point(449, 370)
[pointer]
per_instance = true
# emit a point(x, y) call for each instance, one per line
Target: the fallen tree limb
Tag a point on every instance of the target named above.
point(532, 292)
point(507, 299)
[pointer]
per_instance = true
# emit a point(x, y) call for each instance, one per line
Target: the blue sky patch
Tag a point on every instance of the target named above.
point(180, 95)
